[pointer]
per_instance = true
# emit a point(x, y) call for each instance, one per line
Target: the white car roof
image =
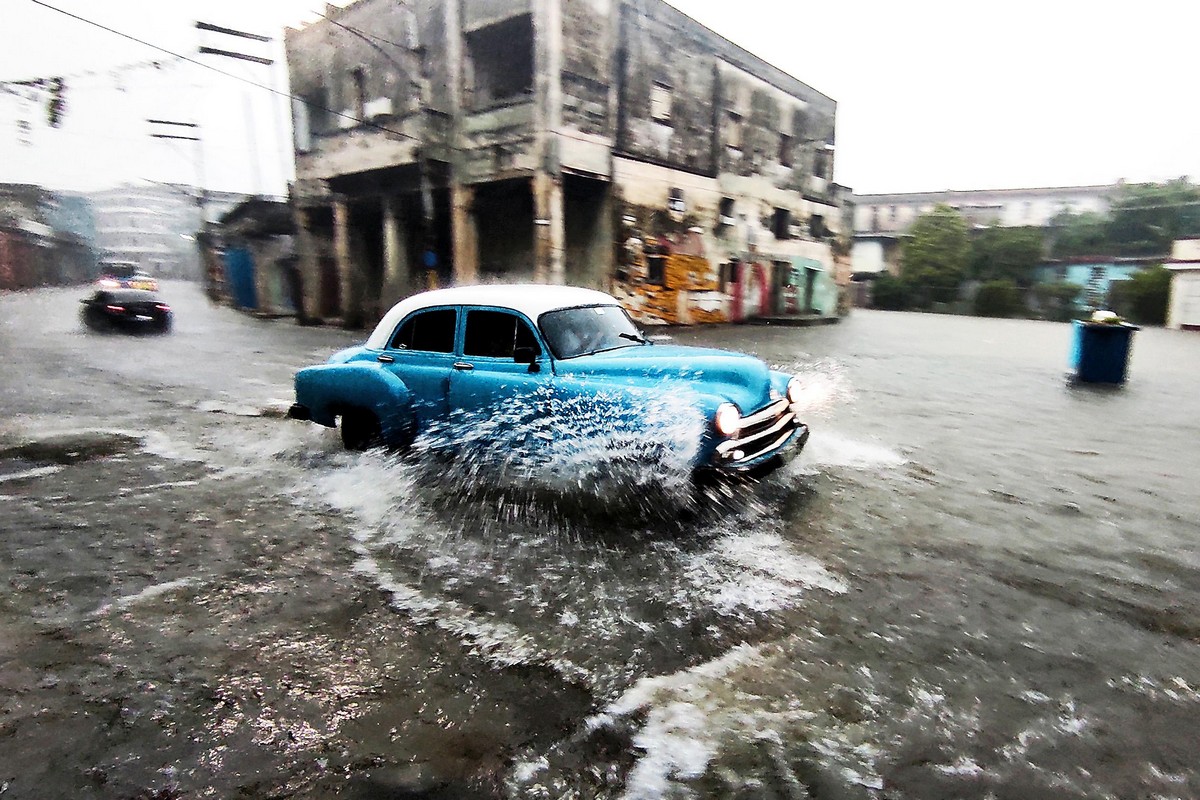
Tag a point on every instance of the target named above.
point(531, 299)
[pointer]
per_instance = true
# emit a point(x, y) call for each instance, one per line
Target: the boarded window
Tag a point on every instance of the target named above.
point(428, 331)
point(500, 61)
point(660, 103)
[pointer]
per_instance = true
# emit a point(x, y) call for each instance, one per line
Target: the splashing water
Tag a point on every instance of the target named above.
point(614, 452)
point(824, 387)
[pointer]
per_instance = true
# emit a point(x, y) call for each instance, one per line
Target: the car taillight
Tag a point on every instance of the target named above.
point(109, 283)
point(162, 306)
point(116, 309)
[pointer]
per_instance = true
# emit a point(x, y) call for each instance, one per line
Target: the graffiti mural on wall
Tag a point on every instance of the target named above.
point(669, 272)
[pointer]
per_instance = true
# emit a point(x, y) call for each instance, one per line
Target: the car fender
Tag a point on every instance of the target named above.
point(328, 390)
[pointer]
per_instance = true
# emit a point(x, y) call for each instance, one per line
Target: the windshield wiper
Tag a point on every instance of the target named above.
point(633, 337)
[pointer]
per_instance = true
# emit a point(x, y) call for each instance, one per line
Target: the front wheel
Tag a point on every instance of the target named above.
point(361, 430)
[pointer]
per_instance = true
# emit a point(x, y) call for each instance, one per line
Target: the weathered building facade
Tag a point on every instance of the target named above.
point(616, 144)
point(46, 238)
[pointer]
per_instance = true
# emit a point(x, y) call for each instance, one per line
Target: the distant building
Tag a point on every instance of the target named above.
point(45, 238)
point(1183, 313)
point(155, 226)
point(617, 144)
point(881, 220)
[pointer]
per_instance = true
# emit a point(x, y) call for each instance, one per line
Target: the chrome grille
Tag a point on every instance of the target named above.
point(760, 433)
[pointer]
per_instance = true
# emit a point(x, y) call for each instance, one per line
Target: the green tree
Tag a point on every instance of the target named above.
point(935, 255)
point(1144, 297)
point(1000, 298)
point(1056, 301)
point(1145, 218)
point(889, 293)
point(1079, 235)
point(1007, 254)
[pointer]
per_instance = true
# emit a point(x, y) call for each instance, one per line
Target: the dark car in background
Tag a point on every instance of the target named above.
point(125, 275)
point(126, 310)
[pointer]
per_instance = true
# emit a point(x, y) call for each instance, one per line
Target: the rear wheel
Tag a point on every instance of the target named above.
point(361, 430)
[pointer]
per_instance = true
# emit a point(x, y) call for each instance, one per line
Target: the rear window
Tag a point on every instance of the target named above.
point(428, 331)
point(127, 296)
point(119, 270)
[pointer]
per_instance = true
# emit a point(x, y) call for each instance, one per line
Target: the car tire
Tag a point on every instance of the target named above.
point(360, 430)
point(163, 325)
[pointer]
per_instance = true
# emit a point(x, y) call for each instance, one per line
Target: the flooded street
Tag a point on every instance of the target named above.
point(977, 581)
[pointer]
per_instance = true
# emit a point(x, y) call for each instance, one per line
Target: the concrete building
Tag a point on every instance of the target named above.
point(45, 238)
point(1183, 312)
point(616, 144)
point(881, 220)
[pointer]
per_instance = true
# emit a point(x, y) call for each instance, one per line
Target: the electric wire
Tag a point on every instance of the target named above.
point(271, 89)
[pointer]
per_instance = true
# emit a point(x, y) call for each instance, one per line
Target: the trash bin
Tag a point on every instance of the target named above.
point(1100, 351)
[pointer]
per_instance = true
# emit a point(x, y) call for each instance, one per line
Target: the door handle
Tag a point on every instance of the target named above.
point(385, 358)
point(463, 365)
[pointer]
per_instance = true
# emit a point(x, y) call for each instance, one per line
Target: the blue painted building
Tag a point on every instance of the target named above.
point(1095, 276)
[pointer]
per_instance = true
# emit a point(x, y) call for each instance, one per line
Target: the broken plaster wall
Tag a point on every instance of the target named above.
point(361, 78)
point(667, 83)
point(589, 57)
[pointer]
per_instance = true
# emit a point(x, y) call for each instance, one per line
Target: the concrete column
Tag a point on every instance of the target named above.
point(548, 229)
point(309, 308)
point(465, 234)
point(351, 312)
point(395, 256)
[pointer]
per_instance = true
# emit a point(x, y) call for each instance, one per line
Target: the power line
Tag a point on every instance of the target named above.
point(219, 71)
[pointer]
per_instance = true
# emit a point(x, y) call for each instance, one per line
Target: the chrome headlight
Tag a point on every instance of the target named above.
point(794, 390)
point(727, 420)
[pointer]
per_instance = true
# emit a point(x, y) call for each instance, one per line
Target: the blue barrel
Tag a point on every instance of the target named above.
point(1100, 351)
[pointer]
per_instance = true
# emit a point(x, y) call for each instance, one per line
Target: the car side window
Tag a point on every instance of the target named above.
point(496, 334)
point(427, 331)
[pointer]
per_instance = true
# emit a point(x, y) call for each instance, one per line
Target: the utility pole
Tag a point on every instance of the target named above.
point(174, 129)
point(223, 52)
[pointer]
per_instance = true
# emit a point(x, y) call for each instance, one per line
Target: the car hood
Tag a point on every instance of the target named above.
point(736, 377)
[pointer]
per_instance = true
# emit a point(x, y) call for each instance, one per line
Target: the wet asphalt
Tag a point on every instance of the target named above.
point(979, 581)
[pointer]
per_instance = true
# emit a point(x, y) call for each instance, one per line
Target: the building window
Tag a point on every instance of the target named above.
point(823, 162)
point(656, 263)
point(816, 226)
point(359, 79)
point(733, 130)
point(660, 103)
point(725, 211)
point(781, 222)
point(785, 150)
point(730, 275)
point(675, 201)
point(500, 61)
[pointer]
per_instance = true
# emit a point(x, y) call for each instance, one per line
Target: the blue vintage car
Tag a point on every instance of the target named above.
point(474, 353)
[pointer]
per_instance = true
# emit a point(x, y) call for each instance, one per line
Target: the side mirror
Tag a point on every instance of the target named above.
point(528, 355)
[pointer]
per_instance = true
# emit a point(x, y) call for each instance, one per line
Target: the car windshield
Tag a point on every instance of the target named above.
point(578, 331)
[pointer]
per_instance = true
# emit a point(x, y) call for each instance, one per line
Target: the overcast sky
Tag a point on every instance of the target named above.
point(932, 94)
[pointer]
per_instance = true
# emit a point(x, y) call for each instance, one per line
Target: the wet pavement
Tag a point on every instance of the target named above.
point(978, 581)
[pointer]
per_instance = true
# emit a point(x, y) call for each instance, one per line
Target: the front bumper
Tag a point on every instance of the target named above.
point(772, 435)
point(300, 412)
